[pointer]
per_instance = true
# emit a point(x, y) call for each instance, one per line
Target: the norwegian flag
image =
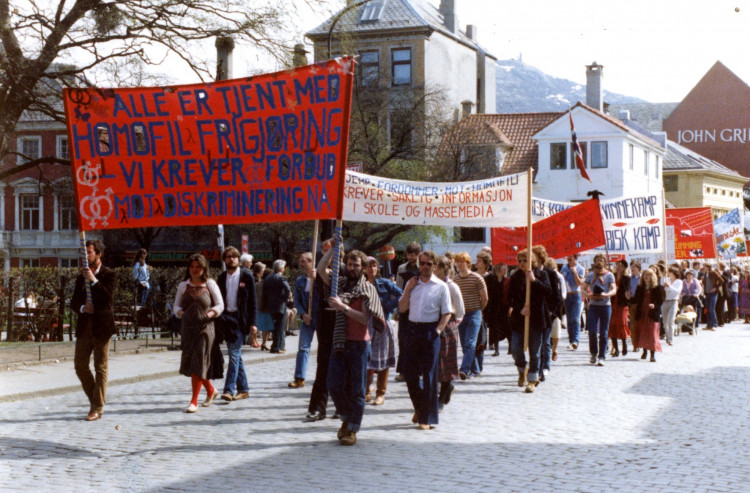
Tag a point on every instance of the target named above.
point(577, 149)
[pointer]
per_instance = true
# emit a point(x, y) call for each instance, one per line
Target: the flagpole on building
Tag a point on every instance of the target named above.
point(529, 254)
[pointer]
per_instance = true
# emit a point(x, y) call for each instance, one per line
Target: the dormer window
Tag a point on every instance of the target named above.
point(372, 11)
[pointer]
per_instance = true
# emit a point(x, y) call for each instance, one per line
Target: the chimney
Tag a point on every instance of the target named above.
point(448, 9)
point(624, 115)
point(471, 32)
point(594, 88)
point(224, 58)
point(466, 108)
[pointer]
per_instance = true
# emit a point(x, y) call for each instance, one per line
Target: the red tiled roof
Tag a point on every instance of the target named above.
point(516, 130)
point(512, 129)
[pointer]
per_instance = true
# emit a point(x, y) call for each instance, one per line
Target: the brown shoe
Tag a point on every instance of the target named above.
point(92, 416)
point(423, 426)
point(530, 387)
point(226, 396)
point(379, 400)
point(241, 395)
point(349, 439)
point(368, 396)
point(522, 377)
point(415, 419)
point(297, 383)
point(343, 430)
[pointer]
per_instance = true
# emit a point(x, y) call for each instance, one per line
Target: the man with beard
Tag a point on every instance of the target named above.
point(357, 305)
point(428, 302)
point(237, 287)
point(95, 326)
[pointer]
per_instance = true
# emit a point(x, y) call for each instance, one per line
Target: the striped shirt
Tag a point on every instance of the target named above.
point(471, 286)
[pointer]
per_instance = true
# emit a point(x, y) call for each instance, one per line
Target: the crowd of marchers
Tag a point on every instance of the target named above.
point(413, 322)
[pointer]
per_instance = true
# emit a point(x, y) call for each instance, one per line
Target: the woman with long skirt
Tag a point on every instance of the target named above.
point(647, 301)
point(448, 362)
point(197, 304)
point(618, 323)
point(382, 343)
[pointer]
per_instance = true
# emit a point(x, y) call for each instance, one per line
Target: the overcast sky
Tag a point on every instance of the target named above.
point(656, 50)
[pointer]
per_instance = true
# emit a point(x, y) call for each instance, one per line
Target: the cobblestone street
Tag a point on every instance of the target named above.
point(680, 424)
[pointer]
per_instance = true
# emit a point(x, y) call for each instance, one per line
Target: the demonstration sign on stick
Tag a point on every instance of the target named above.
point(632, 225)
point(261, 149)
point(568, 232)
point(497, 201)
point(730, 238)
point(693, 232)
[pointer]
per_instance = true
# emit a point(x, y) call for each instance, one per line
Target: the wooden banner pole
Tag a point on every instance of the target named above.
point(527, 305)
point(85, 265)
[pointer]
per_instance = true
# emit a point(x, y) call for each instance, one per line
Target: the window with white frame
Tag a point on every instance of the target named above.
point(63, 151)
point(67, 262)
point(671, 183)
point(557, 158)
point(599, 154)
point(401, 66)
point(631, 157)
point(29, 205)
point(30, 148)
point(372, 11)
point(369, 67)
point(66, 213)
point(584, 155)
point(29, 262)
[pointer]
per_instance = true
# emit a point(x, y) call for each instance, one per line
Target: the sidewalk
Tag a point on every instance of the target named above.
point(50, 378)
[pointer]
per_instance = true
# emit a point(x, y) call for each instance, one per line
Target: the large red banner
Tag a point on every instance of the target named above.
point(693, 232)
point(266, 148)
point(568, 232)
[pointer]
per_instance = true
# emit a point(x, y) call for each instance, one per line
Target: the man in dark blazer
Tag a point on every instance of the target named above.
point(276, 292)
point(237, 321)
point(95, 326)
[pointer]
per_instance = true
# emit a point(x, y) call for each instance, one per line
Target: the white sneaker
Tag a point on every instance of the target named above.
point(600, 362)
point(210, 399)
point(191, 408)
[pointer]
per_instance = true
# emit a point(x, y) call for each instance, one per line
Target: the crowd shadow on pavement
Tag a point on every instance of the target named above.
point(673, 453)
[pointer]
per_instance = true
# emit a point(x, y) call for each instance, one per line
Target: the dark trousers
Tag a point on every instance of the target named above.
point(720, 304)
point(546, 360)
point(319, 395)
point(421, 353)
point(347, 379)
point(279, 337)
point(94, 387)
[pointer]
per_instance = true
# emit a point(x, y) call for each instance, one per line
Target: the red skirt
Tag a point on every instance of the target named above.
point(448, 362)
point(618, 323)
point(648, 335)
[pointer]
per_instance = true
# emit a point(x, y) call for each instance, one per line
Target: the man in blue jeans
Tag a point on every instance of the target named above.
point(357, 305)
point(573, 273)
point(237, 287)
point(303, 286)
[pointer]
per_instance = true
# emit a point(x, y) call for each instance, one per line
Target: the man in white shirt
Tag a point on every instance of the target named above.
point(428, 302)
point(237, 287)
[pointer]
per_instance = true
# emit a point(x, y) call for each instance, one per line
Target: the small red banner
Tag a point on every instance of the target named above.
point(693, 232)
point(568, 232)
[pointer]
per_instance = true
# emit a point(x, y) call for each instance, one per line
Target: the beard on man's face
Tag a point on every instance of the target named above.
point(353, 275)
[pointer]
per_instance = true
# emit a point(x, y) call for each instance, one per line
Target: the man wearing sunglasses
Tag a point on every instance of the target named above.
point(428, 302)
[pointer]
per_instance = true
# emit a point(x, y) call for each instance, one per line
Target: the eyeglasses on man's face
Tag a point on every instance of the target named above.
point(425, 263)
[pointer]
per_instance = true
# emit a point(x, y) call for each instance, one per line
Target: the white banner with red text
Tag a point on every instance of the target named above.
point(498, 202)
